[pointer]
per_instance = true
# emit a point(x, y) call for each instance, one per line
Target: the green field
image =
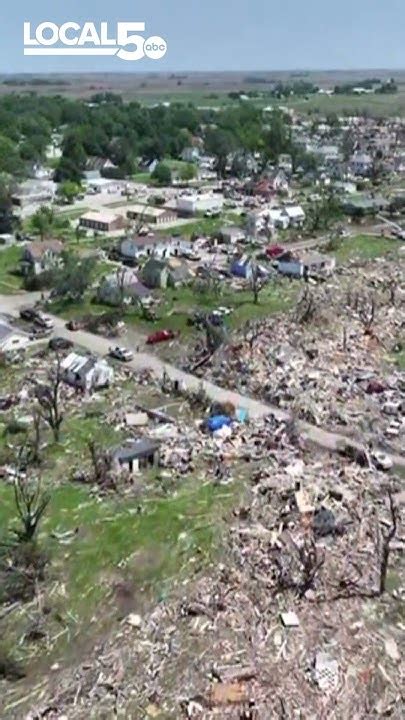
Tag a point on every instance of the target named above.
point(108, 543)
point(10, 282)
point(364, 247)
point(149, 535)
point(374, 104)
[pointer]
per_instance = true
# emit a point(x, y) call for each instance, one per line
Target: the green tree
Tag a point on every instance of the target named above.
point(69, 190)
point(188, 172)
point(74, 277)
point(43, 222)
point(278, 136)
point(10, 161)
point(323, 213)
point(220, 143)
point(7, 218)
point(162, 174)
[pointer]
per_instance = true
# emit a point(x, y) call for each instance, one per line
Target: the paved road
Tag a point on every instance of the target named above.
point(147, 360)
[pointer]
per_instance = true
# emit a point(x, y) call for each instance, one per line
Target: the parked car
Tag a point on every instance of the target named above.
point(37, 332)
point(60, 343)
point(28, 314)
point(274, 251)
point(43, 320)
point(121, 353)
point(160, 336)
point(73, 325)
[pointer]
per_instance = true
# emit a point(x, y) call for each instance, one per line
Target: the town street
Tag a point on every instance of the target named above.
point(10, 305)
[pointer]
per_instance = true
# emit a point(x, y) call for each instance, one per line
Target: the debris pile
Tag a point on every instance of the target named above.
point(302, 614)
point(337, 368)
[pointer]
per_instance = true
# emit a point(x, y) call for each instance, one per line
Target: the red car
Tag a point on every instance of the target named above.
point(274, 251)
point(160, 336)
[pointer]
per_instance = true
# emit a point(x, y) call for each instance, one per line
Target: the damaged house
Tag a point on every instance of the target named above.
point(166, 272)
point(86, 372)
point(138, 455)
point(121, 287)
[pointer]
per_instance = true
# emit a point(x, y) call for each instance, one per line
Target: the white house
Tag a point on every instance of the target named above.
point(144, 245)
point(295, 214)
point(11, 338)
point(258, 221)
point(192, 204)
point(86, 371)
point(190, 154)
point(40, 256)
point(285, 163)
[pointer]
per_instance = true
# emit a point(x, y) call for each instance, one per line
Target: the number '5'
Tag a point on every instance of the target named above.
point(124, 38)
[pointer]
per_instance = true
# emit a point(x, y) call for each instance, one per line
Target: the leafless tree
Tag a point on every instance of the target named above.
point(102, 463)
point(306, 307)
point(385, 545)
point(120, 278)
point(391, 287)
point(31, 503)
point(35, 445)
point(367, 313)
point(349, 587)
point(252, 332)
point(257, 283)
point(49, 399)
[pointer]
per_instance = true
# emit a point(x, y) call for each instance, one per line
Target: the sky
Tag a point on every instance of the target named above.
point(214, 35)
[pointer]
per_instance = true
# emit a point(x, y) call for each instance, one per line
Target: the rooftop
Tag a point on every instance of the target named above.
point(139, 448)
point(104, 217)
point(38, 248)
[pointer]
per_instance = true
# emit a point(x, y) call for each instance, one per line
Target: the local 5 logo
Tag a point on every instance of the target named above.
point(48, 38)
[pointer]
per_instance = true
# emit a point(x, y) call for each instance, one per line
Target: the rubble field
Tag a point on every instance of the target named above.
point(334, 360)
point(300, 615)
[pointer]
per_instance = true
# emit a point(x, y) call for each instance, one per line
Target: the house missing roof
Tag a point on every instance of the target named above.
point(86, 372)
point(139, 455)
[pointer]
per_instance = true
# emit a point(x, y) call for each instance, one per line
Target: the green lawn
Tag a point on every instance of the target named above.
point(70, 213)
point(202, 226)
point(9, 262)
point(179, 304)
point(364, 247)
point(142, 177)
point(151, 551)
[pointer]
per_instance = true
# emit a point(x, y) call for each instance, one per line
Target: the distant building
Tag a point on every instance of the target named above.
point(162, 273)
point(102, 221)
point(34, 192)
point(361, 163)
point(122, 286)
point(232, 234)
point(190, 154)
point(151, 215)
point(133, 248)
point(189, 205)
point(364, 205)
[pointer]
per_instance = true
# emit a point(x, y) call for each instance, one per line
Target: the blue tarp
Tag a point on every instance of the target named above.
point(216, 422)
